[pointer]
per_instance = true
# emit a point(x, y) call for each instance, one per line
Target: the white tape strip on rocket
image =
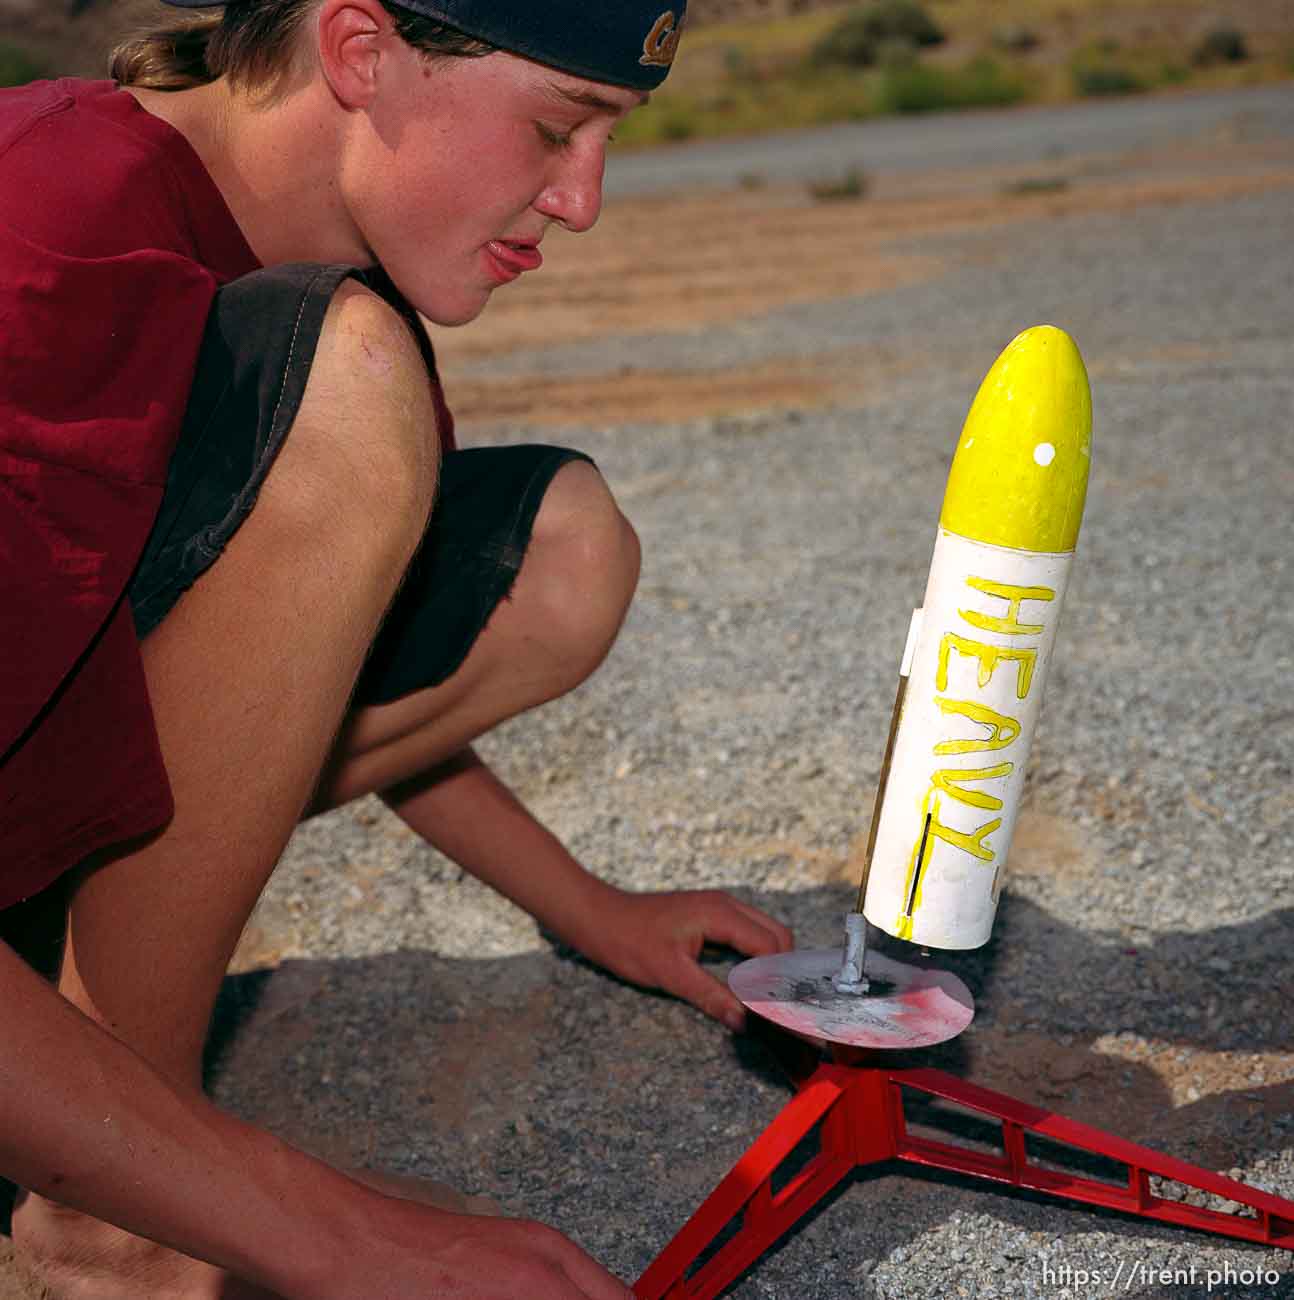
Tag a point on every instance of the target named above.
point(983, 640)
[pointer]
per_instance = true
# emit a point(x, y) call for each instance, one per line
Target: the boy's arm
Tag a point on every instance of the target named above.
point(466, 812)
point(86, 1122)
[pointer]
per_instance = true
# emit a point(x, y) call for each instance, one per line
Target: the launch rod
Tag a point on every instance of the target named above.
point(880, 791)
point(851, 978)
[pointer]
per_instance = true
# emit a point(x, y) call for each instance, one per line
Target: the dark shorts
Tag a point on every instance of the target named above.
point(252, 371)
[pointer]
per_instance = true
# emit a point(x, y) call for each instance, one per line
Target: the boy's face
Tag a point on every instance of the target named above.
point(465, 163)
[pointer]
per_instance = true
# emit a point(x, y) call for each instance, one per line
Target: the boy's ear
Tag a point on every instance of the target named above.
point(352, 39)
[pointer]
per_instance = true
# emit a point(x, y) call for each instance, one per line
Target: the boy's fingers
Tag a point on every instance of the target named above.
point(727, 920)
point(783, 933)
point(706, 993)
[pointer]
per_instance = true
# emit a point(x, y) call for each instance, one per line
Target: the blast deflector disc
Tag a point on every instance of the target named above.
point(908, 1007)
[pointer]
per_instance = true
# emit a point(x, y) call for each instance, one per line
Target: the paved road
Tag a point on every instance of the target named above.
point(938, 141)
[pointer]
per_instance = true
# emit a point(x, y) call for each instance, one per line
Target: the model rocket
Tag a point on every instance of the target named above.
point(970, 687)
point(975, 665)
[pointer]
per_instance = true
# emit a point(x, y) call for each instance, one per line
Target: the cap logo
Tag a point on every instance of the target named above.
point(662, 41)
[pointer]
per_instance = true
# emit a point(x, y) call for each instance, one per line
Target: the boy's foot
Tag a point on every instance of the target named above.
point(66, 1255)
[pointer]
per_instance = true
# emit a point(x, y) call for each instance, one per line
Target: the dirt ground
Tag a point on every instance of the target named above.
point(759, 249)
point(745, 253)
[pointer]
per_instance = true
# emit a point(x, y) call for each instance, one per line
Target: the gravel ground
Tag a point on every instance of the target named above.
point(1140, 973)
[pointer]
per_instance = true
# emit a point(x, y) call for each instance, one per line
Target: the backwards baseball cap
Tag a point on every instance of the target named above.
point(621, 42)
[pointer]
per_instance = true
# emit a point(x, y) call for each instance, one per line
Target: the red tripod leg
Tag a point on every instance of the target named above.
point(1266, 1219)
point(835, 1095)
point(863, 1121)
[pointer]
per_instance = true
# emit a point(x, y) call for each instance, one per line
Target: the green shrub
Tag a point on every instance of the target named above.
point(1093, 79)
point(737, 65)
point(901, 20)
point(1027, 185)
point(17, 67)
point(924, 89)
point(834, 189)
point(678, 123)
point(1220, 44)
point(895, 54)
point(847, 44)
point(1016, 38)
point(857, 40)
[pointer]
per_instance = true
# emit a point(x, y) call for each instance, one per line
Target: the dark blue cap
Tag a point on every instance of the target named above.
point(621, 42)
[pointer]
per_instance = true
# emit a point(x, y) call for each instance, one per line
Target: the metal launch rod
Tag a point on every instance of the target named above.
point(880, 791)
point(851, 978)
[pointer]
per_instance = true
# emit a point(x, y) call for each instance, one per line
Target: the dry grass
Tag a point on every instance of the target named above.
point(751, 77)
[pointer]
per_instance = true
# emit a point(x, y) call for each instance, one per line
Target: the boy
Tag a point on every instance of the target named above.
point(222, 438)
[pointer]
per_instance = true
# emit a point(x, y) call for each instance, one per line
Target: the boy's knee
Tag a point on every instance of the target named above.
point(585, 557)
point(363, 449)
point(372, 370)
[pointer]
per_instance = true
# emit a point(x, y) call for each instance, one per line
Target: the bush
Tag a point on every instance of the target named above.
point(847, 44)
point(851, 185)
point(17, 67)
point(896, 54)
point(923, 89)
point(1028, 185)
point(678, 123)
point(738, 66)
point(901, 20)
point(1016, 38)
point(1221, 44)
point(858, 38)
point(1093, 79)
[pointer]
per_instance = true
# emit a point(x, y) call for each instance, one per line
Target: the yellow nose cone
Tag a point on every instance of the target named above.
point(1019, 474)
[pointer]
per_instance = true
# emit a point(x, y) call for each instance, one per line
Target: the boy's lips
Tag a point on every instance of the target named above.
point(512, 257)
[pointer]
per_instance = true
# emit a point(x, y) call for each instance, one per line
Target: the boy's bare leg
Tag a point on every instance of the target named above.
point(561, 619)
point(567, 606)
point(563, 615)
point(249, 677)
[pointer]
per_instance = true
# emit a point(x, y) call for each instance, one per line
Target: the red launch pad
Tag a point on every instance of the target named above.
point(858, 1108)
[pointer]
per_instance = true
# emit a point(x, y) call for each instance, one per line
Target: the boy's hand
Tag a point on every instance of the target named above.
point(655, 940)
point(649, 939)
point(421, 1255)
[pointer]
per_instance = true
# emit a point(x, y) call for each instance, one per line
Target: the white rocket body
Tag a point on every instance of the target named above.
point(979, 648)
point(978, 668)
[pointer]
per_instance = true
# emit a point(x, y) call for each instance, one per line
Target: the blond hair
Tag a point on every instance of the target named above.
point(254, 44)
